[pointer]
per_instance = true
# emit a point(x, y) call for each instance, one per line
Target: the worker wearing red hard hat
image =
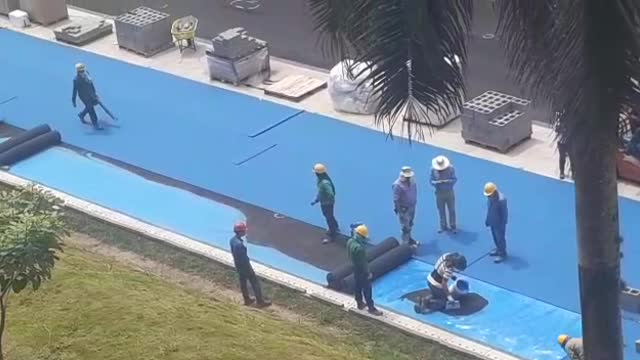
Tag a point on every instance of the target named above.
point(244, 268)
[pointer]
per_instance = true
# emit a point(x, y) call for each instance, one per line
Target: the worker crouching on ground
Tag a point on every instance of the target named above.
point(572, 346)
point(443, 179)
point(244, 268)
point(497, 217)
point(357, 254)
point(84, 89)
point(326, 197)
point(405, 196)
point(438, 281)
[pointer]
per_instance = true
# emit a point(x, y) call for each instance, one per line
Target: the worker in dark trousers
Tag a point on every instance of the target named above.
point(563, 147)
point(357, 254)
point(327, 198)
point(443, 179)
point(497, 218)
point(244, 268)
point(405, 198)
point(572, 347)
point(84, 89)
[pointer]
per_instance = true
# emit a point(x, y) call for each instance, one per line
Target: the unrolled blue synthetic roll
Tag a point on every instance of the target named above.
point(30, 148)
point(24, 136)
point(336, 277)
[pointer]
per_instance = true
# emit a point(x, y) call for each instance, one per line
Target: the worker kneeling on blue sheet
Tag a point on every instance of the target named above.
point(442, 296)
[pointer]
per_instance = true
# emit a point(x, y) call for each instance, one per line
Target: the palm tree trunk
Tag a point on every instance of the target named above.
point(3, 318)
point(599, 244)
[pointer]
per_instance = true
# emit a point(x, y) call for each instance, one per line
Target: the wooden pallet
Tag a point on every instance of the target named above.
point(151, 53)
point(295, 87)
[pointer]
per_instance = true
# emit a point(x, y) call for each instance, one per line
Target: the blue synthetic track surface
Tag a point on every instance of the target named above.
point(202, 135)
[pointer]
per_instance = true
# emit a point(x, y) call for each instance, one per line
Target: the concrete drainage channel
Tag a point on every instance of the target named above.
point(316, 291)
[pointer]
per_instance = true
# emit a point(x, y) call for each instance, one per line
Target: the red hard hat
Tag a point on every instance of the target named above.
point(240, 227)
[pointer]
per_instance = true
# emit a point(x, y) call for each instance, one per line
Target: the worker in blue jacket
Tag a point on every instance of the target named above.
point(84, 89)
point(244, 268)
point(497, 218)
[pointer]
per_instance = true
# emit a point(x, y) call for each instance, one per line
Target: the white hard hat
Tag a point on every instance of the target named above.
point(406, 172)
point(440, 162)
point(80, 67)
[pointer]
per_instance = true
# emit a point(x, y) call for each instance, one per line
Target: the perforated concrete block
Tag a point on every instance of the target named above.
point(144, 30)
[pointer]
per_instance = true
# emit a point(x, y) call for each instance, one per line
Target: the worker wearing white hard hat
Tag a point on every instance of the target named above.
point(405, 196)
point(84, 89)
point(443, 179)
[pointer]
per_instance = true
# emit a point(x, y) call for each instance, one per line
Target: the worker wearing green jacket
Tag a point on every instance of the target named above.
point(326, 196)
point(358, 256)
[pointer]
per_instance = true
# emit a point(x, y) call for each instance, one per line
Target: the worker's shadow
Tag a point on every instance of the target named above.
point(464, 237)
point(516, 262)
point(107, 128)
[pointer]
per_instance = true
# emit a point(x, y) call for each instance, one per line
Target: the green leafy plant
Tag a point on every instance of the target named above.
point(32, 229)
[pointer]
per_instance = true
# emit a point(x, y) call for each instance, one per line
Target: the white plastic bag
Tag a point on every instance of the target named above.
point(350, 94)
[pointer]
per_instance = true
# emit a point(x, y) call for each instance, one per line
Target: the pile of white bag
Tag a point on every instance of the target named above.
point(350, 94)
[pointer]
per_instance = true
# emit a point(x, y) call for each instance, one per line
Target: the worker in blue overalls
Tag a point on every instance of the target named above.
point(497, 218)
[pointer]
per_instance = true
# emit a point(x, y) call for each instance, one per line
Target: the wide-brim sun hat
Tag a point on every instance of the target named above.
point(406, 172)
point(440, 162)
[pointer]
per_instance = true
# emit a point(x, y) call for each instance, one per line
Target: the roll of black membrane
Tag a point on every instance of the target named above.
point(30, 148)
point(24, 136)
point(334, 278)
point(382, 265)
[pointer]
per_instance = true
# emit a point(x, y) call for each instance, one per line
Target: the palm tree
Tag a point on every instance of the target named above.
point(577, 55)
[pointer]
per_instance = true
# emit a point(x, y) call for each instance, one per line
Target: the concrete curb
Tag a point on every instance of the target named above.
point(403, 323)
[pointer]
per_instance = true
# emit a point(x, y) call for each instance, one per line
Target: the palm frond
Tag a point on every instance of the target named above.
point(579, 55)
point(410, 46)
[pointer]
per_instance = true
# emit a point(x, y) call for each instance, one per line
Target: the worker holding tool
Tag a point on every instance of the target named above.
point(572, 346)
point(83, 87)
point(405, 196)
point(497, 218)
point(438, 281)
point(443, 179)
point(358, 256)
point(326, 196)
point(244, 268)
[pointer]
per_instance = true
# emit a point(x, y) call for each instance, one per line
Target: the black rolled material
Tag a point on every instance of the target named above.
point(30, 147)
point(24, 136)
point(382, 265)
point(334, 278)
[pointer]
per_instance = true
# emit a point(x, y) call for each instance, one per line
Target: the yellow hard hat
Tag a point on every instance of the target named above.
point(562, 339)
point(80, 67)
point(319, 169)
point(362, 230)
point(489, 189)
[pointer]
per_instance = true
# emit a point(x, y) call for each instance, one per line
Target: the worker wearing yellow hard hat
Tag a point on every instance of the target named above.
point(497, 218)
point(326, 196)
point(572, 346)
point(405, 196)
point(358, 256)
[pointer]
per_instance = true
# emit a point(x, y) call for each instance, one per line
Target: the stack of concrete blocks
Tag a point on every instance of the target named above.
point(7, 6)
point(237, 56)
point(496, 120)
point(144, 31)
point(83, 30)
point(45, 12)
